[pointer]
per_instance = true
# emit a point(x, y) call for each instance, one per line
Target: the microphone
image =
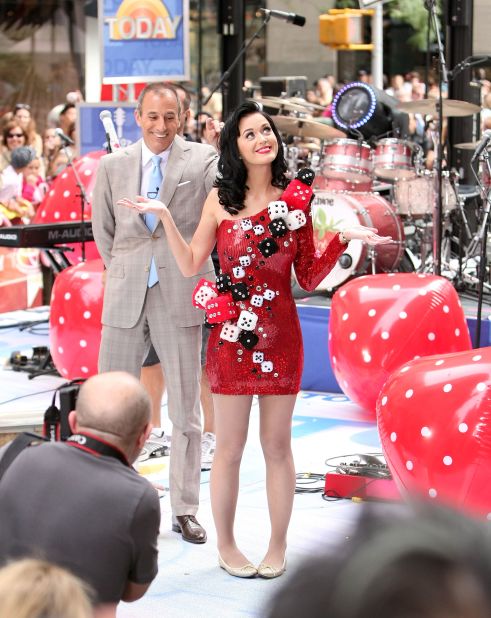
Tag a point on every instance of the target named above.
point(292, 18)
point(64, 138)
point(483, 144)
point(111, 135)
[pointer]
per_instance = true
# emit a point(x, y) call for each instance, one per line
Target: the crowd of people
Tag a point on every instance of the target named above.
point(160, 208)
point(23, 188)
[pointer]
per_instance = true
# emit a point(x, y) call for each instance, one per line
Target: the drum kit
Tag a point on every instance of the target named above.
point(382, 184)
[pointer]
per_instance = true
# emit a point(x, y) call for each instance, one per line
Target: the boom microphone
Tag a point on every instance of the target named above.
point(111, 135)
point(483, 144)
point(292, 18)
point(64, 138)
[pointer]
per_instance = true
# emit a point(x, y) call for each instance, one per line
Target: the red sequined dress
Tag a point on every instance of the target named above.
point(260, 352)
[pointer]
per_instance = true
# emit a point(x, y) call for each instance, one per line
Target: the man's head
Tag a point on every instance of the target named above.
point(32, 588)
point(68, 115)
point(116, 407)
point(21, 157)
point(158, 113)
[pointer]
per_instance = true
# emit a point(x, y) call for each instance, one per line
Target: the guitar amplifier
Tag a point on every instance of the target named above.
point(277, 86)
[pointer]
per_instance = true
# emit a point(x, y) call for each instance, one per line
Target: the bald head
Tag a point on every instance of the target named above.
point(114, 403)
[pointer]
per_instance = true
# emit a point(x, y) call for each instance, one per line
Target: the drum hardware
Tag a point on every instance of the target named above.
point(291, 156)
point(450, 107)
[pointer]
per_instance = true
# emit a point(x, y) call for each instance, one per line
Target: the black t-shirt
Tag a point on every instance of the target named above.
point(90, 514)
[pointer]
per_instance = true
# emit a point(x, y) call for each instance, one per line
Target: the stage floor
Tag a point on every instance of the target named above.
point(189, 582)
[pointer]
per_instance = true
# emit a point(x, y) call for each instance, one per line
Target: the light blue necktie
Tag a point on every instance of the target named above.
point(151, 218)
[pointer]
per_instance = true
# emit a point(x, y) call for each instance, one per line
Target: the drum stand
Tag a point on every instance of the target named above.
point(291, 160)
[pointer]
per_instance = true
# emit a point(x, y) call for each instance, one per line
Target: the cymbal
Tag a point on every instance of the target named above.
point(308, 104)
point(468, 145)
point(304, 127)
point(282, 104)
point(428, 107)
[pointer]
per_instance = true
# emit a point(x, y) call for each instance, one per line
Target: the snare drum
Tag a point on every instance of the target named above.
point(392, 159)
point(332, 211)
point(415, 197)
point(347, 159)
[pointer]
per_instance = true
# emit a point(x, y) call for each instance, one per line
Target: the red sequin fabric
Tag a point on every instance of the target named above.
point(267, 359)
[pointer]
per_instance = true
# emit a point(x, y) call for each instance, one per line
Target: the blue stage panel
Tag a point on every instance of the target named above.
point(317, 372)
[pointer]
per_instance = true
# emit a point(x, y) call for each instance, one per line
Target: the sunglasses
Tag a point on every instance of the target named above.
point(22, 106)
point(15, 135)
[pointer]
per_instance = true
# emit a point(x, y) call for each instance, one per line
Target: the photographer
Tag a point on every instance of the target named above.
point(80, 504)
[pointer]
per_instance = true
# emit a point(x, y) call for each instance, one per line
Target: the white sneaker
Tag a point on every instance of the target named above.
point(157, 446)
point(207, 450)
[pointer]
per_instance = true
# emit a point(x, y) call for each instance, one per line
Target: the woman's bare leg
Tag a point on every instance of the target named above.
point(231, 426)
point(275, 432)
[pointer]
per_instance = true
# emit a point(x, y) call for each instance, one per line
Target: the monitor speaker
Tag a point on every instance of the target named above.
point(290, 86)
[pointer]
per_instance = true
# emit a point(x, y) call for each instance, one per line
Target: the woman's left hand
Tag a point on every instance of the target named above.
point(143, 205)
point(367, 234)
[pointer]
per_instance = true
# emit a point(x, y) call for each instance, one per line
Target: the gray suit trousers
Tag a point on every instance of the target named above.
point(178, 349)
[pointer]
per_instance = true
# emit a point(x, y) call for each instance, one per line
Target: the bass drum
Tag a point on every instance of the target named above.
point(333, 211)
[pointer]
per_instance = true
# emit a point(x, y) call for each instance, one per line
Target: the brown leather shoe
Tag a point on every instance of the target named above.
point(190, 529)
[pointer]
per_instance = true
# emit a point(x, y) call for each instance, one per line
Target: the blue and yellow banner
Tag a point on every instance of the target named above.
point(144, 40)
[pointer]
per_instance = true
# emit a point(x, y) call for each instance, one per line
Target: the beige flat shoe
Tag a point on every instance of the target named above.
point(246, 571)
point(269, 572)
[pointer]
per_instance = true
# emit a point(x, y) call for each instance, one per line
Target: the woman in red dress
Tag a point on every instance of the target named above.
point(262, 226)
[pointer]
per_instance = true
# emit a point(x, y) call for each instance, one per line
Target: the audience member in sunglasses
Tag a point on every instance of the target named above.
point(22, 114)
point(13, 136)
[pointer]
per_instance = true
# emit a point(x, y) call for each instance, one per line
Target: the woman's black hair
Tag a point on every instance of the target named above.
point(231, 180)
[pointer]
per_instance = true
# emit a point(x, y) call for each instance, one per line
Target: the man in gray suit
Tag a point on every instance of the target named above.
point(145, 297)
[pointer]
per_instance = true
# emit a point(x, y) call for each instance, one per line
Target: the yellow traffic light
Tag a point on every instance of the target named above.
point(343, 29)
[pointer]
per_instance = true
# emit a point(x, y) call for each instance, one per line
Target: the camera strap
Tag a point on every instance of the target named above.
point(90, 444)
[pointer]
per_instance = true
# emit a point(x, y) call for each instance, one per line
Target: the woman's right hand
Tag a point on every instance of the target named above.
point(144, 205)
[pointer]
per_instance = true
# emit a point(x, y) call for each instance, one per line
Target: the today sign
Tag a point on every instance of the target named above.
point(144, 40)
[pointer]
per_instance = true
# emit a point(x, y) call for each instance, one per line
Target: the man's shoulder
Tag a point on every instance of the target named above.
point(113, 158)
point(197, 147)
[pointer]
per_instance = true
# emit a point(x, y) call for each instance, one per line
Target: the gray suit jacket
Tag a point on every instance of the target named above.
point(127, 245)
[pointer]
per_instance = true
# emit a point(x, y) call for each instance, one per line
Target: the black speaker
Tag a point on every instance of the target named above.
point(291, 86)
point(460, 13)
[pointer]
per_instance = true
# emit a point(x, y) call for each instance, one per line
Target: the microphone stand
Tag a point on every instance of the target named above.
point(226, 75)
point(82, 195)
point(108, 143)
point(430, 5)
